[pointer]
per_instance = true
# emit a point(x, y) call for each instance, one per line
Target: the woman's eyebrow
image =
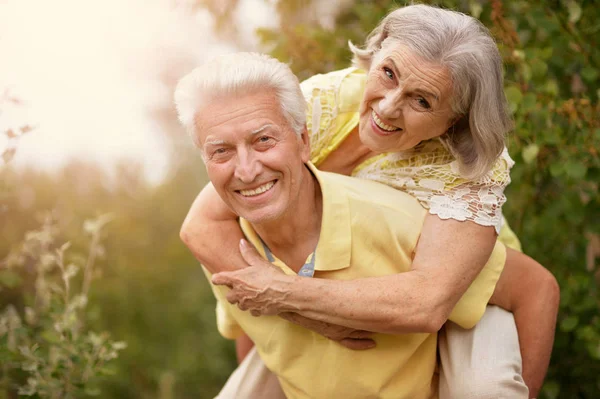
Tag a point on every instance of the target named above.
point(426, 93)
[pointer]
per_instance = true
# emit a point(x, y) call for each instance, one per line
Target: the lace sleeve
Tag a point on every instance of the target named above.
point(331, 113)
point(431, 175)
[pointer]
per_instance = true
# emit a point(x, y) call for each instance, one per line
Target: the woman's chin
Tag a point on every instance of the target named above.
point(375, 142)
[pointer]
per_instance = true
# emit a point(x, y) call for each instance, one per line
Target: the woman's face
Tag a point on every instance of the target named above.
point(406, 101)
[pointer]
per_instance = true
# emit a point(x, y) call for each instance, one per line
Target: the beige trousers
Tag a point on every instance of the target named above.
point(481, 363)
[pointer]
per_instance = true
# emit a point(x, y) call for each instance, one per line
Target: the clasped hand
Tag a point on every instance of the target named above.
point(263, 290)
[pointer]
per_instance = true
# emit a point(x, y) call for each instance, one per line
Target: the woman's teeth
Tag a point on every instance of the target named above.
point(258, 190)
point(382, 125)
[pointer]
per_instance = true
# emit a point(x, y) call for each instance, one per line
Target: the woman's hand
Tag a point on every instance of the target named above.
point(262, 288)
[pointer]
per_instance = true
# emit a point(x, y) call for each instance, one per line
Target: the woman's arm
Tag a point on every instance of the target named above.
point(211, 231)
point(419, 300)
point(532, 294)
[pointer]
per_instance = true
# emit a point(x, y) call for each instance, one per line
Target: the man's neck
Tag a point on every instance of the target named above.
point(294, 236)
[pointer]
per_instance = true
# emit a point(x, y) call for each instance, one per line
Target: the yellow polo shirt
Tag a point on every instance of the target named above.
point(368, 229)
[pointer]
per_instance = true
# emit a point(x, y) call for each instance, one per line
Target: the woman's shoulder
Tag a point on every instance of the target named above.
point(332, 100)
point(431, 173)
point(341, 89)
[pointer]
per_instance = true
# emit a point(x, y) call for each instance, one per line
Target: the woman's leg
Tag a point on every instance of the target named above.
point(252, 380)
point(483, 362)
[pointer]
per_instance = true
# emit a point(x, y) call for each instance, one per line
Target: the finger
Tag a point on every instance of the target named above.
point(358, 344)
point(360, 334)
point(222, 279)
point(250, 254)
point(232, 297)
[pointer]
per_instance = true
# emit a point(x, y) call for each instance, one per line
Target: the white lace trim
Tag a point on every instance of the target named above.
point(441, 190)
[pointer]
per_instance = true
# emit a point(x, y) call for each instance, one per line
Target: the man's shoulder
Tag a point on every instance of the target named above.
point(371, 194)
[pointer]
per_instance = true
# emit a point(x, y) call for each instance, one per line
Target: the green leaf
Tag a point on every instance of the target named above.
point(589, 74)
point(475, 9)
point(530, 153)
point(529, 102)
point(539, 68)
point(546, 53)
point(568, 324)
point(10, 279)
point(514, 97)
point(575, 169)
point(92, 391)
point(51, 336)
point(556, 169)
point(551, 389)
point(574, 11)
point(551, 87)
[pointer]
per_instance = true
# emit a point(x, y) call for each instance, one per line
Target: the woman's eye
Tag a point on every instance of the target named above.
point(423, 103)
point(388, 72)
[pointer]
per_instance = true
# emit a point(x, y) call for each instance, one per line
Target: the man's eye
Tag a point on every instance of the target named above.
point(219, 151)
point(388, 72)
point(264, 140)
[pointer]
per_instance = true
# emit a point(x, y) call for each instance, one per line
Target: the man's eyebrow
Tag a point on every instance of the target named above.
point(214, 142)
point(260, 129)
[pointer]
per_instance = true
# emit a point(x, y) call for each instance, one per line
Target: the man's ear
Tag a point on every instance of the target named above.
point(305, 142)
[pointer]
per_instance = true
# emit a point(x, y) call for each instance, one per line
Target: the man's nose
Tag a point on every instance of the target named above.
point(247, 167)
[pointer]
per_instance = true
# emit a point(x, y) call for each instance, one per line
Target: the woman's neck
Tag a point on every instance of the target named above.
point(349, 154)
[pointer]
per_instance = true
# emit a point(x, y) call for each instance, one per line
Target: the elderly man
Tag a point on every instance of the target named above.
point(246, 113)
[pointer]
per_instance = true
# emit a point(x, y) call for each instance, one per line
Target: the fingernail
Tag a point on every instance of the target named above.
point(243, 244)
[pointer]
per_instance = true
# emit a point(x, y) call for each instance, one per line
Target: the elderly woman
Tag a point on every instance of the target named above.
point(428, 117)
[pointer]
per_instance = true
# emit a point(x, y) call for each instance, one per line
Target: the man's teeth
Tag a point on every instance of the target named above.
point(258, 190)
point(382, 125)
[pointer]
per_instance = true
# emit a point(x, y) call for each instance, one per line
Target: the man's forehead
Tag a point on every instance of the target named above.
point(244, 115)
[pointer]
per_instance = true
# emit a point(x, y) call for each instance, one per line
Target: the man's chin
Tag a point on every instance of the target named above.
point(259, 217)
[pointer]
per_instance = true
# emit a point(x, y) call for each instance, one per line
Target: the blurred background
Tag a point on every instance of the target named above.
point(92, 154)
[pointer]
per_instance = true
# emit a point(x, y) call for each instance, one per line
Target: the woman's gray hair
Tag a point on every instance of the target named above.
point(465, 47)
point(238, 74)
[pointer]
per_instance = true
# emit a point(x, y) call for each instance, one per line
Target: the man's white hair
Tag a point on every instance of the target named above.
point(463, 45)
point(238, 74)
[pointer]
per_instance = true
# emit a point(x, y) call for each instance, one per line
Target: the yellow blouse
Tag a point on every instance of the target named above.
point(428, 172)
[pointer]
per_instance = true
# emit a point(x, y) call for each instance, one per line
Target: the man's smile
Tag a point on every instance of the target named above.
point(258, 190)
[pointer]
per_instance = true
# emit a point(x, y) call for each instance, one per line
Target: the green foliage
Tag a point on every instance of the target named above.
point(150, 291)
point(552, 68)
point(46, 351)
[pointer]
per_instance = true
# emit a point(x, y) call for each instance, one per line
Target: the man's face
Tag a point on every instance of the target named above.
point(253, 157)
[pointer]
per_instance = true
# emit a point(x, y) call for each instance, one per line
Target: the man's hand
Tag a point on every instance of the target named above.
point(260, 288)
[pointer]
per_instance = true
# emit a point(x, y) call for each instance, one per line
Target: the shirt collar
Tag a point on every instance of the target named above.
point(334, 248)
